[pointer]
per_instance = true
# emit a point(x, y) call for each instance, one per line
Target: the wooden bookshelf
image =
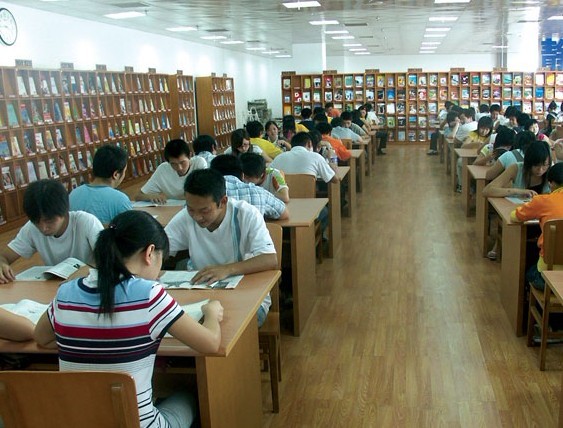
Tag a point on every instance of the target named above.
point(52, 121)
point(183, 107)
point(409, 102)
point(216, 115)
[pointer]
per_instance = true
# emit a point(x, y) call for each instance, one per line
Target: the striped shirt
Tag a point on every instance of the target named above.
point(268, 205)
point(126, 342)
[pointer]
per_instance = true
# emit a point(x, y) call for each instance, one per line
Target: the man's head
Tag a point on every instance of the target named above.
point(494, 110)
point(206, 197)
point(448, 105)
point(555, 176)
point(302, 139)
point(324, 128)
point(45, 203)
point(336, 122)
point(346, 117)
point(253, 168)
point(227, 165)
point(306, 113)
point(328, 107)
point(110, 163)
point(254, 128)
point(204, 143)
point(177, 154)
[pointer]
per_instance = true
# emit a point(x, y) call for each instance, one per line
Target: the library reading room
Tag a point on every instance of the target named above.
point(281, 213)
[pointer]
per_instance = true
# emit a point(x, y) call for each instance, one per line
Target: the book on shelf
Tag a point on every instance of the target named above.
point(85, 114)
point(401, 107)
point(412, 136)
point(31, 172)
point(59, 140)
point(75, 114)
point(443, 80)
point(42, 169)
point(496, 79)
point(15, 146)
point(540, 79)
point(422, 94)
point(81, 162)
point(47, 118)
point(307, 96)
point(549, 93)
point(54, 89)
point(62, 166)
point(57, 112)
point(61, 270)
point(316, 82)
point(49, 142)
point(359, 81)
point(464, 93)
point(22, 90)
point(517, 93)
point(370, 81)
point(78, 135)
point(4, 147)
point(538, 107)
point(39, 145)
point(82, 85)
point(307, 82)
point(422, 108)
point(32, 87)
point(390, 108)
point(87, 138)
point(370, 95)
point(390, 121)
point(73, 86)
point(412, 79)
point(36, 114)
point(29, 142)
point(67, 113)
point(183, 280)
point(527, 107)
point(328, 82)
point(527, 93)
point(286, 83)
point(24, 115)
point(328, 96)
point(7, 179)
point(539, 92)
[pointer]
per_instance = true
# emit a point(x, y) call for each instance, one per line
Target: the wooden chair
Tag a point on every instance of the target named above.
point(546, 300)
point(269, 333)
point(347, 143)
point(68, 399)
point(305, 186)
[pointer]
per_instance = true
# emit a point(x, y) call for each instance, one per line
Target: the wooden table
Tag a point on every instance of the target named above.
point(513, 264)
point(301, 225)
point(228, 382)
point(162, 213)
point(367, 147)
point(477, 173)
point(449, 146)
point(372, 151)
point(343, 172)
point(358, 167)
point(466, 155)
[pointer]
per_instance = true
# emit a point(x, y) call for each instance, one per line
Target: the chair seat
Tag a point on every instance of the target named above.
point(271, 326)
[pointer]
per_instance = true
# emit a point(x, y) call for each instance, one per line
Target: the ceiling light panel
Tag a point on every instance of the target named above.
point(125, 15)
point(324, 22)
point(301, 4)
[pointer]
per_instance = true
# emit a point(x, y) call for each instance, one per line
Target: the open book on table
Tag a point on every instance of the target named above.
point(29, 309)
point(517, 199)
point(42, 273)
point(182, 279)
point(193, 310)
point(169, 203)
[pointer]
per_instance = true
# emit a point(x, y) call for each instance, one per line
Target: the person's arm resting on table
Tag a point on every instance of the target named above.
point(7, 257)
point(258, 263)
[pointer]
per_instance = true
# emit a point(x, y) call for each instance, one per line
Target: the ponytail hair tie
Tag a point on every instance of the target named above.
point(112, 226)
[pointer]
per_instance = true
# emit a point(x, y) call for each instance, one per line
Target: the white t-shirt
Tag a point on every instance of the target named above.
point(167, 181)
point(255, 149)
point(464, 130)
point(241, 235)
point(77, 241)
point(340, 132)
point(299, 160)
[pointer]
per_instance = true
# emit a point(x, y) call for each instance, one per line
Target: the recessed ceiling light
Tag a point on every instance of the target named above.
point(336, 32)
point(179, 29)
point(430, 29)
point(357, 49)
point(300, 4)
point(555, 18)
point(255, 49)
point(431, 43)
point(434, 35)
point(500, 47)
point(324, 22)
point(125, 15)
point(343, 37)
point(214, 37)
point(362, 53)
point(271, 52)
point(450, 1)
point(349, 45)
point(442, 18)
point(283, 56)
point(232, 42)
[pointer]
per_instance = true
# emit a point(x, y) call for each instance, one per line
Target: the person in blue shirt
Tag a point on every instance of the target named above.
point(100, 197)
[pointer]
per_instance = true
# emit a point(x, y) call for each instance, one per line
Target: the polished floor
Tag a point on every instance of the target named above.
point(408, 330)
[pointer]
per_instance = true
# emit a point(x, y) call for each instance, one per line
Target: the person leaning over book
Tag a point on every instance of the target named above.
point(544, 208)
point(114, 319)
point(224, 236)
point(101, 196)
point(52, 231)
point(255, 171)
point(167, 182)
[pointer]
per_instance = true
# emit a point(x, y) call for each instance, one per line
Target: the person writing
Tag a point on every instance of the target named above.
point(114, 319)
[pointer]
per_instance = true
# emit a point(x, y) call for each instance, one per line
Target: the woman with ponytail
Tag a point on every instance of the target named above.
point(114, 319)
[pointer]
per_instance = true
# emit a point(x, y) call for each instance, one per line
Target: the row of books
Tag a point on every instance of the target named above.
point(98, 84)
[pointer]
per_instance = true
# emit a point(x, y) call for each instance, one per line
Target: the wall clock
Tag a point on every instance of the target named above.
point(8, 27)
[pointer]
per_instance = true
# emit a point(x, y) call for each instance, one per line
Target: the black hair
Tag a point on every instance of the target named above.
point(227, 165)
point(505, 137)
point(204, 143)
point(318, 110)
point(176, 148)
point(523, 140)
point(306, 113)
point(45, 199)
point(469, 113)
point(328, 105)
point(270, 123)
point(288, 123)
point(324, 128)
point(511, 111)
point(522, 118)
point(253, 165)
point(107, 160)
point(529, 123)
point(128, 233)
point(451, 116)
point(494, 107)
point(237, 137)
point(486, 122)
point(316, 138)
point(457, 109)
point(552, 106)
point(301, 139)
point(536, 154)
point(320, 117)
point(369, 107)
point(346, 115)
point(254, 128)
point(207, 182)
point(555, 174)
point(484, 108)
point(448, 104)
point(337, 121)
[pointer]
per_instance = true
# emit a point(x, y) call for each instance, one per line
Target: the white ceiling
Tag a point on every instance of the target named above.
point(382, 26)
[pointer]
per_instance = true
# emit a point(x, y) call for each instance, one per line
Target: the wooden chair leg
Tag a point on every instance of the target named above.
point(545, 327)
point(274, 374)
point(531, 319)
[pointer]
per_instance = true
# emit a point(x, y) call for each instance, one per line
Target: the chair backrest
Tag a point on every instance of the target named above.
point(347, 142)
point(68, 399)
point(553, 243)
point(301, 185)
point(276, 233)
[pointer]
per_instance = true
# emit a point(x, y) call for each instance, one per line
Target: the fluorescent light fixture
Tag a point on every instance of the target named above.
point(255, 49)
point(442, 19)
point(180, 29)
point(351, 45)
point(343, 37)
point(300, 4)
point(431, 43)
point(434, 35)
point(213, 37)
point(357, 49)
point(232, 42)
point(125, 15)
point(555, 18)
point(271, 52)
point(426, 52)
point(422, 48)
point(283, 56)
point(336, 32)
point(450, 1)
point(431, 29)
point(500, 47)
point(52, 0)
point(362, 53)
point(324, 22)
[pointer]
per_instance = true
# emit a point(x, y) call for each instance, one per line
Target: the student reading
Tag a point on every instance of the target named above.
point(114, 319)
point(224, 236)
point(52, 230)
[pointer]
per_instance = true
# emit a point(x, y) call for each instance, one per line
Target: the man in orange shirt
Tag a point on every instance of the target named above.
point(341, 151)
point(331, 111)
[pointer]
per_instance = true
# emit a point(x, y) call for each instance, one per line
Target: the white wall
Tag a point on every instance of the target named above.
point(49, 39)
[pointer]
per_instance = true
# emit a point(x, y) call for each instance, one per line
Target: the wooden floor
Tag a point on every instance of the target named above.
point(408, 330)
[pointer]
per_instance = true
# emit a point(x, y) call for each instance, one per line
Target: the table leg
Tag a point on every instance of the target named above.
point(302, 275)
point(482, 218)
point(229, 388)
point(334, 217)
point(453, 168)
point(362, 162)
point(466, 181)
